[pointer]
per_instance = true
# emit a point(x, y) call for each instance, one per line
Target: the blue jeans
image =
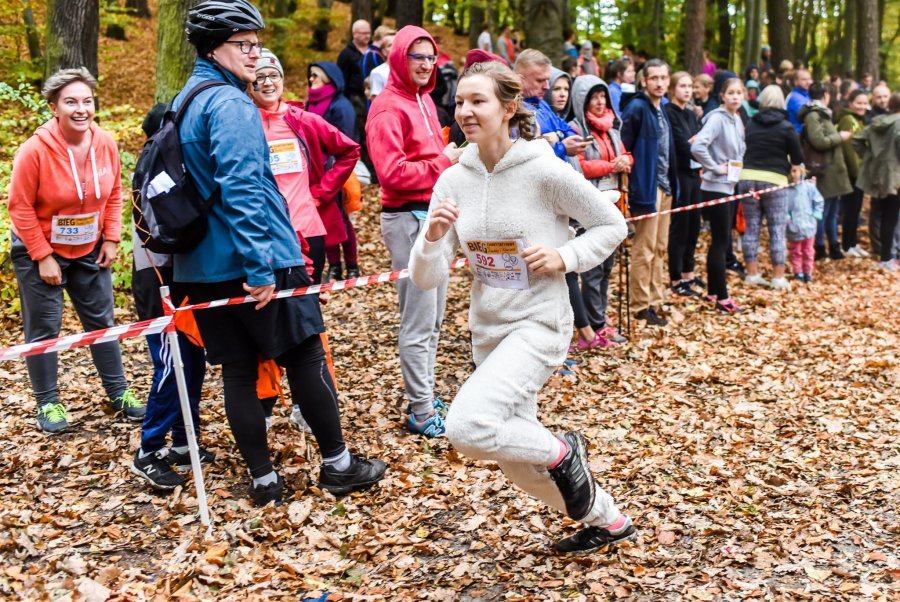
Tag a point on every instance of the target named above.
point(163, 408)
point(828, 225)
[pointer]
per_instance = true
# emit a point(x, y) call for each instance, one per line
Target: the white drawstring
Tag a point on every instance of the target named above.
point(424, 111)
point(96, 175)
point(75, 175)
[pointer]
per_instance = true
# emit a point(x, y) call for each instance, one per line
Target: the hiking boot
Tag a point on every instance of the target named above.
point(431, 427)
point(262, 495)
point(52, 417)
point(352, 272)
point(573, 477)
point(591, 539)
point(651, 317)
point(156, 470)
point(183, 459)
point(128, 404)
point(362, 474)
point(334, 273)
point(299, 421)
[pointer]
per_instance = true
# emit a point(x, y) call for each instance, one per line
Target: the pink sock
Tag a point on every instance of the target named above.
point(563, 450)
point(617, 524)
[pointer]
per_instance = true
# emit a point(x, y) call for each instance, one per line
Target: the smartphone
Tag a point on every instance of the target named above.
point(587, 139)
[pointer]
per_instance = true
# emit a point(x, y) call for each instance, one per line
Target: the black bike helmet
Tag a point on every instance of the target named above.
point(213, 21)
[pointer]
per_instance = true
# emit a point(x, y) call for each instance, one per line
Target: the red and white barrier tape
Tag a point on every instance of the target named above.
point(157, 325)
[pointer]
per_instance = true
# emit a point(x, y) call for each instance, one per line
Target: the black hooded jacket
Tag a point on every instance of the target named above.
point(771, 139)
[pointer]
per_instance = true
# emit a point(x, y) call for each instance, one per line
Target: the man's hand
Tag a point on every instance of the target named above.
point(263, 294)
point(452, 152)
point(543, 260)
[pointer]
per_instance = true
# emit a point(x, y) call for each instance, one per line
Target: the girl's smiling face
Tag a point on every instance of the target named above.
point(479, 112)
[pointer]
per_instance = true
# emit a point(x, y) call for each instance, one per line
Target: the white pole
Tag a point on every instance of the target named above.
point(193, 448)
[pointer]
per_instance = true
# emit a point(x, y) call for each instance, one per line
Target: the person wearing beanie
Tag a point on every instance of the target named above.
point(251, 248)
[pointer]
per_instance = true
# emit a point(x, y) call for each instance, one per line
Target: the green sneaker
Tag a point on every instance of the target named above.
point(52, 417)
point(128, 404)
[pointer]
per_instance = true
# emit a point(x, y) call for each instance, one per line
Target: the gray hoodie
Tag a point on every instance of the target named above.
point(720, 140)
point(555, 74)
point(582, 90)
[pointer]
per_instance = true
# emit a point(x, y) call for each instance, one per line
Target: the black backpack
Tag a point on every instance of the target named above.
point(171, 221)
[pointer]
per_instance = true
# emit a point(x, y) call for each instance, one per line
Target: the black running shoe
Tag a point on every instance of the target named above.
point(270, 493)
point(591, 539)
point(683, 289)
point(362, 474)
point(573, 477)
point(155, 469)
point(183, 460)
point(650, 316)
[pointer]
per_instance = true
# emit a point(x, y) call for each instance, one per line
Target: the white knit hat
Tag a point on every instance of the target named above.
point(268, 59)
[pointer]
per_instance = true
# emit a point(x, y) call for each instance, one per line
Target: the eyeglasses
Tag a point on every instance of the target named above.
point(249, 45)
point(421, 59)
point(272, 77)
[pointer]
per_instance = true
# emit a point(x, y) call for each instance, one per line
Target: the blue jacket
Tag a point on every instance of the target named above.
point(796, 100)
point(549, 122)
point(641, 138)
point(340, 112)
point(223, 145)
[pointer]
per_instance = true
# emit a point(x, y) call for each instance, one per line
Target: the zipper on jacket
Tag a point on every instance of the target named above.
point(484, 202)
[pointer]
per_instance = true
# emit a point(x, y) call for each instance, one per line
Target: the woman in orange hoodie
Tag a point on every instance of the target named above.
point(65, 203)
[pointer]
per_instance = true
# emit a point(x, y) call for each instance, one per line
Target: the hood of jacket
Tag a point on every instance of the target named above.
point(520, 152)
point(883, 123)
point(51, 136)
point(813, 107)
point(333, 72)
point(399, 77)
point(844, 112)
point(770, 117)
point(555, 74)
point(582, 90)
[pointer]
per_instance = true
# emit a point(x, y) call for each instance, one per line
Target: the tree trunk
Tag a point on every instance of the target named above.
point(655, 47)
point(361, 9)
point(848, 36)
point(139, 8)
point(175, 56)
point(779, 30)
point(694, 35)
point(748, 55)
point(723, 51)
point(73, 27)
point(31, 32)
point(477, 17)
point(870, 39)
point(410, 12)
point(323, 25)
point(544, 27)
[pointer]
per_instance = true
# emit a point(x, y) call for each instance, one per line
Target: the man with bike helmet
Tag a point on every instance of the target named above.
point(251, 248)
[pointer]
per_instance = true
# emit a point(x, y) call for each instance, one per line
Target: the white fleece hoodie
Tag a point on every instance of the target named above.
point(530, 195)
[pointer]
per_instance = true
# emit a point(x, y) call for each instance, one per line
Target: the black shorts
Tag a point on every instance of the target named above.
point(241, 332)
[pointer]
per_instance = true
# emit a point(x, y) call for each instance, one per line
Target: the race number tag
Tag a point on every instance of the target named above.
point(734, 170)
point(285, 157)
point(498, 263)
point(74, 229)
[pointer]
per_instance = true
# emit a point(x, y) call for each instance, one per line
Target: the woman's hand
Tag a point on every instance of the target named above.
point(442, 219)
point(263, 294)
point(543, 260)
point(49, 270)
point(621, 164)
point(107, 254)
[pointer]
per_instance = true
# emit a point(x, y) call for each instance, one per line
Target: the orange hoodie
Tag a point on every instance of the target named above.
point(46, 185)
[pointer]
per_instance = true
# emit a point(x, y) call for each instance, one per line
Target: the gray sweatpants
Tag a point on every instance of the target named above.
point(90, 289)
point(494, 415)
point(421, 314)
point(595, 291)
point(774, 205)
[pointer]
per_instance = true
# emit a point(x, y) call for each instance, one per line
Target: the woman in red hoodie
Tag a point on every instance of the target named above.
point(65, 204)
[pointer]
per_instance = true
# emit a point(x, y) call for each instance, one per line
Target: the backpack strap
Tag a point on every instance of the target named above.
point(204, 85)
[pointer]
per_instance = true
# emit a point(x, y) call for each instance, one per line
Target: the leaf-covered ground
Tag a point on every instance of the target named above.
point(757, 454)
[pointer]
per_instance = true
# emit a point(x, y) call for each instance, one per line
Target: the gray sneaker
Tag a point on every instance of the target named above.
point(129, 405)
point(52, 417)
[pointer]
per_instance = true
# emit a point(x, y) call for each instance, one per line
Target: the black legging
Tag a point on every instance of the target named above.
point(311, 388)
point(684, 229)
point(576, 300)
point(890, 214)
point(317, 254)
point(851, 205)
point(720, 217)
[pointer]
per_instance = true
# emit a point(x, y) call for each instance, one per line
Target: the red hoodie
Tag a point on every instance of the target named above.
point(403, 131)
point(43, 186)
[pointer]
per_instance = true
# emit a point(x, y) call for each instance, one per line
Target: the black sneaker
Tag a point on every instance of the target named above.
point(334, 273)
point(820, 252)
point(834, 252)
point(573, 477)
point(683, 288)
point(651, 317)
point(737, 267)
point(155, 469)
point(52, 417)
point(362, 474)
point(591, 539)
point(183, 460)
point(698, 282)
point(273, 492)
point(352, 272)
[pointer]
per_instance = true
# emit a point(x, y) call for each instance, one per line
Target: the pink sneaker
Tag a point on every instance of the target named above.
point(598, 341)
point(612, 335)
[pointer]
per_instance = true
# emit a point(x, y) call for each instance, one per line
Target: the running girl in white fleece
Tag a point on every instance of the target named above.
point(507, 204)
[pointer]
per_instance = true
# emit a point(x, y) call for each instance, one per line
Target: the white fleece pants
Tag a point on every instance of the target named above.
point(494, 417)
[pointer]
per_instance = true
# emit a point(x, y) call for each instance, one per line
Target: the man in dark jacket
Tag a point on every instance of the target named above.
point(647, 135)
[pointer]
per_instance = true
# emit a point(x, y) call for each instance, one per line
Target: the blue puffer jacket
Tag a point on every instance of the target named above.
point(223, 144)
point(640, 135)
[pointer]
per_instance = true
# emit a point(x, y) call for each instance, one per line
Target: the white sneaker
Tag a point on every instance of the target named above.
point(859, 251)
point(890, 266)
point(780, 284)
point(756, 279)
point(851, 252)
point(268, 423)
point(299, 421)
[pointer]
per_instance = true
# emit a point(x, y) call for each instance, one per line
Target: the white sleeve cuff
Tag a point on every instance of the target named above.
point(570, 260)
